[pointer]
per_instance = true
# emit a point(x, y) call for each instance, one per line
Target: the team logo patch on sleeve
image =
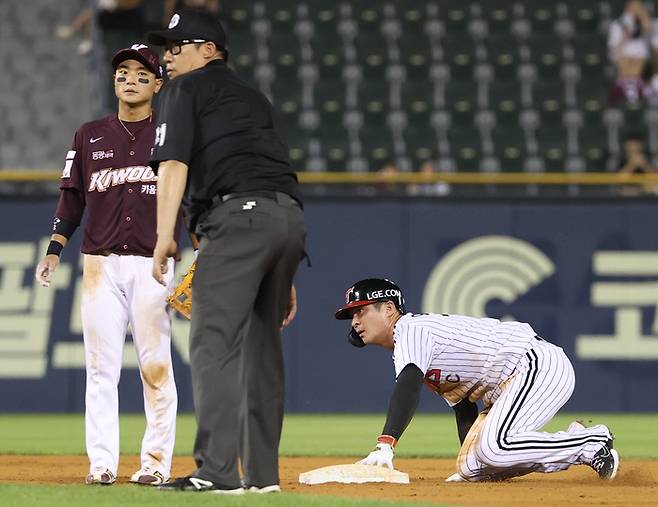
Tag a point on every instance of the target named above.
point(160, 135)
point(66, 173)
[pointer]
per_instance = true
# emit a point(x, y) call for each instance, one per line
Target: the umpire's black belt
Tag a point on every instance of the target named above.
point(280, 197)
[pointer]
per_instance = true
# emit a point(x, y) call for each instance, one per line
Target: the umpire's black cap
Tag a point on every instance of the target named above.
point(189, 25)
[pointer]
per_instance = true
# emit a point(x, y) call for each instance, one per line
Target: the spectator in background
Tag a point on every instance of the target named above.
point(121, 23)
point(629, 47)
point(428, 189)
point(390, 170)
point(82, 23)
point(635, 161)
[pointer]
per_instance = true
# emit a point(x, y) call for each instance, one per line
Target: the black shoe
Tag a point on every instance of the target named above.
point(190, 483)
point(606, 462)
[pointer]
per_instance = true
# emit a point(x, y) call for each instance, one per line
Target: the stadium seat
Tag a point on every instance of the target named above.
point(376, 145)
point(455, 14)
point(324, 14)
point(297, 147)
point(548, 97)
point(459, 53)
point(593, 142)
point(418, 101)
point(503, 54)
point(585, 15)
point(461, 101)
point(420, 143)
point(242, 53)
point(415, 54)
point(372, 55)
point(466, 148)
point(374, 101)
point(284, 52)
point(541, 16)
point(238, 17)
point(546, 54)
point(504, 99)
point(509, 148)
point(330, 102)
point(328, 54)
point(368, 14)
point(335, 147)
point(590, 53)
point(498, 14)
point(552, 147)
point(592, 99)
point(281, 14)
point(412, 14)
point(287, 99)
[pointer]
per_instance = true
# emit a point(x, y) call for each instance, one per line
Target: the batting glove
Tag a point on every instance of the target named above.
point(383, 453)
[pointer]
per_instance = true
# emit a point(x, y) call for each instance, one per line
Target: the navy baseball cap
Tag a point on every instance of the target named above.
point(141, 53)
point(188, 25)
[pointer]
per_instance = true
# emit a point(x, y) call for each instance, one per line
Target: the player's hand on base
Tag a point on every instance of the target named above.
point(164, 248)
point(456, 477)
point(45, 269)
point(381, 456)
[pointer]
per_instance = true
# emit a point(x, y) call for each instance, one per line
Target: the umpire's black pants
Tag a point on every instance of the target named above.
point(249, 252)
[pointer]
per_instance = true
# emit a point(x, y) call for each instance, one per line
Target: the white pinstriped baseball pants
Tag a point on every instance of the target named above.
point(505, 442)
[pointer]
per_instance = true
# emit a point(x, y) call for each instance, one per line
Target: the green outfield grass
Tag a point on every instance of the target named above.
point(311, 435)
point(124, 496)
point(428, 435)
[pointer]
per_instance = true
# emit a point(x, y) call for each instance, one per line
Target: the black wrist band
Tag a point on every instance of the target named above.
point(54, 248)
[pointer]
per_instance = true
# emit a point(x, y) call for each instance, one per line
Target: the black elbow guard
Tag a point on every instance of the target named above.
point(64, 227)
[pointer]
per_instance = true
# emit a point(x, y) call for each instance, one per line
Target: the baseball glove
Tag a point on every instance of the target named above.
point(181, 297)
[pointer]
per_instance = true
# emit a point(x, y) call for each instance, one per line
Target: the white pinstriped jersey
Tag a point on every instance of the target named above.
point(461, 357)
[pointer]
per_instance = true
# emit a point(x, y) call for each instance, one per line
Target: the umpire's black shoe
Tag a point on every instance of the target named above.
point(606, 462)
point(190, 483)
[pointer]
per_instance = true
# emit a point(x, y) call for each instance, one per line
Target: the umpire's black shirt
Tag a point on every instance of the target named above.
point(227, 133)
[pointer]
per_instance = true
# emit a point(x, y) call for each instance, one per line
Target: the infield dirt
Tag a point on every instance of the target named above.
point(636, 484)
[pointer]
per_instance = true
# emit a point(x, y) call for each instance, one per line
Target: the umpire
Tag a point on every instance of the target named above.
point(219, 148)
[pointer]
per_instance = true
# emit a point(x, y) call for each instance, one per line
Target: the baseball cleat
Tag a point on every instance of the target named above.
point(199, 485)
point(274, 488)
point(606, 461)
point(148, 476)
point(101, 476)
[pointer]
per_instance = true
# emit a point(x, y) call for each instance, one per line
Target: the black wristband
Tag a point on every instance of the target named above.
point(54, 248)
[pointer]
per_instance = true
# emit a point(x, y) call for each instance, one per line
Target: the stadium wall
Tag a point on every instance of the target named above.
point(584, 274)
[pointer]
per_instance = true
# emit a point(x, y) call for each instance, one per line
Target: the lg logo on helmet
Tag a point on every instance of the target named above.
point(377, 294)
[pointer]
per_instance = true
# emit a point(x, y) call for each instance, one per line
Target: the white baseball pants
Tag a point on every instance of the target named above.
point(119, 290)
point(505, 442)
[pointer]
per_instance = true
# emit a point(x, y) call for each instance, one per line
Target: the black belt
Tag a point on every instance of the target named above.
point(280, 197)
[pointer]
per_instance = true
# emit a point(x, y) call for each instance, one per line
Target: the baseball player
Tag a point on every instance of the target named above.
point(521, 379)
point(107, 172)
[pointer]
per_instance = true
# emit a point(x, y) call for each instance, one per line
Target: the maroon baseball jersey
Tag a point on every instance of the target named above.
point(107, 172)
